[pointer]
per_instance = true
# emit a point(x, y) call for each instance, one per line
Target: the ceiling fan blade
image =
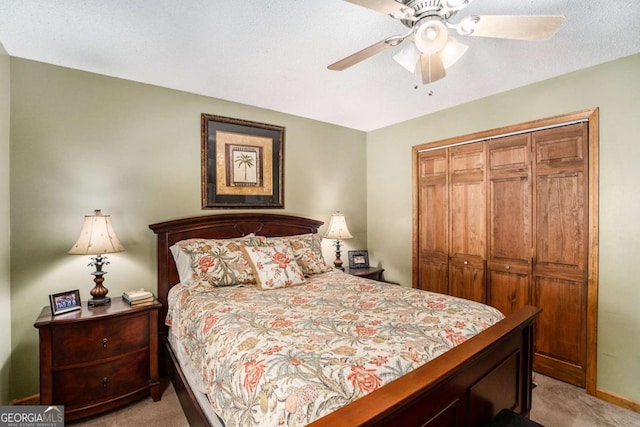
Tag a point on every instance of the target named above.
point(536, 27)
point(387, 7)
point(431, 67)
point(367, 52)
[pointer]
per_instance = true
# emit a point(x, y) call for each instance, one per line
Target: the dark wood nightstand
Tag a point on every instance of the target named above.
point(98, 358)
point(374, 273)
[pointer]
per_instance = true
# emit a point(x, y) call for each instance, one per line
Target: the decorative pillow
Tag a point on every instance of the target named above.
point(220, 262)
point(274, 266)
point(307, 251)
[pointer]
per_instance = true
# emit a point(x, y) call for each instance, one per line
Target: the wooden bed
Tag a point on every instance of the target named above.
point(464, 387)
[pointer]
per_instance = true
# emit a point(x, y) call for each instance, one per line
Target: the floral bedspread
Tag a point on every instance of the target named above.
point(289, 356)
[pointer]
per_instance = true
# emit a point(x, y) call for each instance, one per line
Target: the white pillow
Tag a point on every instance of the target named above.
point(183, 263)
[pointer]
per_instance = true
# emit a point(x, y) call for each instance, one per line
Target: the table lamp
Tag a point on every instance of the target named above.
point(338, 230)
point(97, 238)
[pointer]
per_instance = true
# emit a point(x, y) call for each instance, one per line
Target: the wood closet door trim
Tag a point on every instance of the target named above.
point(591, 116)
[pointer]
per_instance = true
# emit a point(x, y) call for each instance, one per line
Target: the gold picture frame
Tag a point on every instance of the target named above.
point(242, 163)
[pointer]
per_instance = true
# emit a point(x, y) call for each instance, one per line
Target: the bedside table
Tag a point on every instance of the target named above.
point(98, 358)
point(374, 273)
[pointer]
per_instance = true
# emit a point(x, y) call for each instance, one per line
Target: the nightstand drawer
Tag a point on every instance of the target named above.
point(76, 387)
point(78, 343)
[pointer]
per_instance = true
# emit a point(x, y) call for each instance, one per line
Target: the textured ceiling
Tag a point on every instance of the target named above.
point(274, 53)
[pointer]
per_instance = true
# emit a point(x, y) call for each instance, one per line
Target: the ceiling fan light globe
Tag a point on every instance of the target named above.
point(408, 58)
point(430, 36)
point(452, 52)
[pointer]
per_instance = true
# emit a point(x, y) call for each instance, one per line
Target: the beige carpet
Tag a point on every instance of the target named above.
point(558, 404)
point(144, 413)
point(555, 404)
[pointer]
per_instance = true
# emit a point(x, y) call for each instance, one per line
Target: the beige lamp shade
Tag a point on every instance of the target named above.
point(338, 228)
point(97, 236)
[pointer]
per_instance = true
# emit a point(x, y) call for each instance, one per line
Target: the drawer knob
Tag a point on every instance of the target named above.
point(104, 342)
point(105, 382)
point(466, 262)
point(507, 267)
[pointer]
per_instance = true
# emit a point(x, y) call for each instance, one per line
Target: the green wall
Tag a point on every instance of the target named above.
point(81, 141)
point(614, 88)
point(5, 282)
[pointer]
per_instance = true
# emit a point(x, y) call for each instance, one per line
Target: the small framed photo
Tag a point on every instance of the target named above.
point(358, 259)
point(65, 302)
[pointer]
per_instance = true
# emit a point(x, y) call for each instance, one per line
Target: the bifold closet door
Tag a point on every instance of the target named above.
point(468, 229)
point(505, 220)
point(510, 226)
point(560, 245)
point(433, 222)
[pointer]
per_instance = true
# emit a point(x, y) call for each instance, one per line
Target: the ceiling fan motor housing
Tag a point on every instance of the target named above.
point(444, 9)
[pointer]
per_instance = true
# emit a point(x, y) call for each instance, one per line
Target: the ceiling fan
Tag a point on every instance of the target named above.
point(433, 50)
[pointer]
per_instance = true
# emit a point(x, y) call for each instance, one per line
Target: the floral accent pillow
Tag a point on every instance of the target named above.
point(274, 266)
point(220, 262)
point(307, 251)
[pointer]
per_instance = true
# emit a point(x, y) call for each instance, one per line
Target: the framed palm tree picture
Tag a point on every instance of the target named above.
point(242, 163)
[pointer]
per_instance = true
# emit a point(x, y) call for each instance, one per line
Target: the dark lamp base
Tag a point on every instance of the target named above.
point(94, 302)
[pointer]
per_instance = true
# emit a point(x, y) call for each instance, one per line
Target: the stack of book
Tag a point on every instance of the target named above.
point(138, 297)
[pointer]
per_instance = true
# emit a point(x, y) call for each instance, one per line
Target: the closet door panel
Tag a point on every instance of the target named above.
point(434, 276)
point(468, 200)
point(561, 199)
point(560, 148)
point(561, 233)
point(466, 278)
point(508, 290)
point(510, 219)
point(434, 218)
point(560, 251)
point(433, 222)
point(510, 224)
point(509, 155)
point(468, 222)
point(560, 340)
